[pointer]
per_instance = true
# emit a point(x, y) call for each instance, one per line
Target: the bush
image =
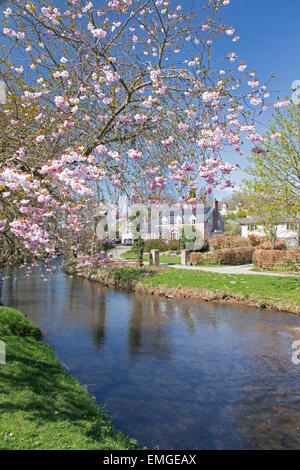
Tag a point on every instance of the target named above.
point(231, 228)
point(265, 245)
point(256, 240)
point(231, 256)
point(279, 245)
point(228, 241)
point(127, 276)
point(277, 259)
point(161, 245)
point(173, 245)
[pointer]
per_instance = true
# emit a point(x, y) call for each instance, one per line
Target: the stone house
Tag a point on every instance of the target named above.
point(207, 219)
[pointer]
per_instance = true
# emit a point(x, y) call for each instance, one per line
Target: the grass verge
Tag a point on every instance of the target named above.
point(267, 291)
point(130, 255)
point(42, 407)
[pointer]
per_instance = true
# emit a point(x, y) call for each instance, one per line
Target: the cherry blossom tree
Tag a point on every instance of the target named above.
point(122, 95)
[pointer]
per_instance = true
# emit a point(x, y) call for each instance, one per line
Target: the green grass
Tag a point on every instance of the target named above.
point(130, 255)
point(285, 290)
point(41, 406)
point(276, 271)
point(127, 275)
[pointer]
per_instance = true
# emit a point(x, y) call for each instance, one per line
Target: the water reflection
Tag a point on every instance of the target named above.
point(172, 373)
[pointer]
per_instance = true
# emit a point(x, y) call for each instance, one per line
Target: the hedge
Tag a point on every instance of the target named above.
point(231, 256)
point(228, 241)
point(276, 259)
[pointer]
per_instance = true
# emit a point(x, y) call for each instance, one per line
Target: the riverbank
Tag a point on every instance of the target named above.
point(42, 407)
point(271, 293)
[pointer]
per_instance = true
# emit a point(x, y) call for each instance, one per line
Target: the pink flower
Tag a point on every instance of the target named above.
point(230, 31)
point(61, 102)
point(98, 33)
point(69, 124)
point(168, 142)
point(101, 149)
point(134, 154)
point(140, 118)
point(183, 127)
point(259, 151)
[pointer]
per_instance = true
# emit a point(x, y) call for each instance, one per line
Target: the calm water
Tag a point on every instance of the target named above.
point(173, 374)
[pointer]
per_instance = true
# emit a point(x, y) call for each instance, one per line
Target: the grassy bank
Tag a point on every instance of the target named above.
point(279, 293)
point(282, 293)
point(130, 255)
point(42, 407)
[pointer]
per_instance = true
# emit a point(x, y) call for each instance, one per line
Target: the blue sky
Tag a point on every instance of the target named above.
point(269, 42)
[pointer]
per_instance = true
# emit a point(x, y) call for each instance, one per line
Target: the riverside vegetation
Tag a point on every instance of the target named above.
point(42, 407)
point(278, 293)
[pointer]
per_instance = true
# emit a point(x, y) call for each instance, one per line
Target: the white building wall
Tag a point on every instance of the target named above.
point(291, 237)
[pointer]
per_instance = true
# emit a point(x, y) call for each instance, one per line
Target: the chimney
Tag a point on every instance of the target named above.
point(215, 215)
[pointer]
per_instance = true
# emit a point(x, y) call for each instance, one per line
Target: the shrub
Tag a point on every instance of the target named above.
point(279, 245)
point(232, 228)
point(231, 256)
point(265, 245)
point(156, 244)
point(256, 240)
point(173, 245)
point(126, 276)
point(161, 245)
point(228, 241)
point(277, 259)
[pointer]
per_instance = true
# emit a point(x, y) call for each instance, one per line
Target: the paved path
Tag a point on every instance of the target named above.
point(245, 269)
point(118, 251)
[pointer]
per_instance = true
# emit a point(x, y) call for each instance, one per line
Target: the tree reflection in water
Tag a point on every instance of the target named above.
point(177, 374)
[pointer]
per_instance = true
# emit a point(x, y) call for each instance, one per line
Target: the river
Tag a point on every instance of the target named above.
point(173, 374)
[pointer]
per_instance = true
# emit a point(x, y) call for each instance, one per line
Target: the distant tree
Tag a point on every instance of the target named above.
point(266, 209)
point(275, 167)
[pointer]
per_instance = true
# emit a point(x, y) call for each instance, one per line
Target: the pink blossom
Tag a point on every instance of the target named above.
point(140, 118)
point(168, 142)
point(61, 102)
point(69, 124)
point(132, 153)
point(98, 33)
point(101, 149)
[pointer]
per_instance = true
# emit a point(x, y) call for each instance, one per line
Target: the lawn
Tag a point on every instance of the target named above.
point(130, 255)
point(42, 407)
point(285, 290)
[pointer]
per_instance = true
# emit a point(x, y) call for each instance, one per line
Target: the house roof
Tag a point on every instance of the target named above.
point(256, 220)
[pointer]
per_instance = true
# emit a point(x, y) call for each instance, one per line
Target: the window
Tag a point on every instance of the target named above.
point(290, 226)
point(252, 227)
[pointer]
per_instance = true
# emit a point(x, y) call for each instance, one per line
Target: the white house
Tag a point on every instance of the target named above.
point(206, 219)
point(287, 230)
